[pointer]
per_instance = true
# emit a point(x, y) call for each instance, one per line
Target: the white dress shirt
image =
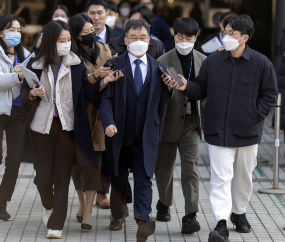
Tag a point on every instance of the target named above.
point(102, 35)
point(143, 65)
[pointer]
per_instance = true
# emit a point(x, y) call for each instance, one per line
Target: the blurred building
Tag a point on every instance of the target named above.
point(267, 15)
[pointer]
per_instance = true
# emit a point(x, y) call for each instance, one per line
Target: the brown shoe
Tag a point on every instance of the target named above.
point(145, 229)
point(102, 201)
point(116, 224)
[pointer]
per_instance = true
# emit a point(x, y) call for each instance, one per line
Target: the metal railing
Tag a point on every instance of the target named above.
point(275, 189)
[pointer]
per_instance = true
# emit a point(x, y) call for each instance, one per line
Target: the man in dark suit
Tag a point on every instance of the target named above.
point(132, 111)
point(97, 11)
point(155, 48)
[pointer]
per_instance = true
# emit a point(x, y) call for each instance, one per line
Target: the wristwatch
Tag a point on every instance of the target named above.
point(95, 78)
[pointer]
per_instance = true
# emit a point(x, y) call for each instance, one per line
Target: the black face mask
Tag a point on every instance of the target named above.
point(88, 39)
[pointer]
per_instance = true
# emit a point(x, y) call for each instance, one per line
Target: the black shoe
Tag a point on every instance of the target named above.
point(241, 223)
point(220, 233)
point(190, 224)
point(86, 227)
point(163, 212)
point(4, 216)
point(79, 218)
point(145, 229)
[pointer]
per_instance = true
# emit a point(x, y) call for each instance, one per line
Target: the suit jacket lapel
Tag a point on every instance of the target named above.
point(175, 62)
point(130, 77)
point(197, 62)
point(120, 64)
point(153, 79)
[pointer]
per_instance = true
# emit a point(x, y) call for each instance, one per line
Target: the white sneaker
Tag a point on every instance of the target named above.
point(54, 234)
point(45, 216)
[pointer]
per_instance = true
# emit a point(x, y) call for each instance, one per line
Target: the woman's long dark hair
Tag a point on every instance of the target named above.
point(6, 22)
point(48, 49)
point(76, 24)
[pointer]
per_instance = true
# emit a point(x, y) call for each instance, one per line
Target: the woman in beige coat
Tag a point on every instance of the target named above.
point(87, 180)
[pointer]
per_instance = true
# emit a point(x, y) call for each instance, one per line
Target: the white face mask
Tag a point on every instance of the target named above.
point(230, 43)
point(60, 18)
point(125, 12)
point(110, 21)
point(184, 48)
point(138, 48)
point(63, 48)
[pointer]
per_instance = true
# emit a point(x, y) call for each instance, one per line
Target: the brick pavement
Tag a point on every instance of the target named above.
point(266, 213)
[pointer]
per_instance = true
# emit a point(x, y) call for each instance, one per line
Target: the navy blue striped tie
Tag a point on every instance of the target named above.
point(98, 39)
point(138, 76)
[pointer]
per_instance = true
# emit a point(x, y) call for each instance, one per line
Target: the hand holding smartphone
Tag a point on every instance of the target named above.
point(175, 76)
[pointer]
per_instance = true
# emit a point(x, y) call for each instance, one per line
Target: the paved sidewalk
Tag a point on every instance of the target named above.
point(266, 213)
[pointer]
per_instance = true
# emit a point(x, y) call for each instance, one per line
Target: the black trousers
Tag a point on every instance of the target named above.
point(131, 156)
point(106, 179)
point(13, 128)
point(105, 174)
point(55, 159)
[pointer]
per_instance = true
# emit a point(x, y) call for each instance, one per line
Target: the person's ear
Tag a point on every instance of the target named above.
point(126, 41)
point(107, 14)
point(79, 37)
point(148, 39)
point(2, 35)
point(117, 16)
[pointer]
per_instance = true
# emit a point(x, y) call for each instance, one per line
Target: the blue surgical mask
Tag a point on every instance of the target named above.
point(12, 39)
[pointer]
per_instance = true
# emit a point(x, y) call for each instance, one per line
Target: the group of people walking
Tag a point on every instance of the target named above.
point(112, 109)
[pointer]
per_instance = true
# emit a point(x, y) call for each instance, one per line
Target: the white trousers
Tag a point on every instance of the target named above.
point(231, 179)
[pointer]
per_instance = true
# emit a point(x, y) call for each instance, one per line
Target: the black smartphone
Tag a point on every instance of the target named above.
point(175, 76)
point(114, 74)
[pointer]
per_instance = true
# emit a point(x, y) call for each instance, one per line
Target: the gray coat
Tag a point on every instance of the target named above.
point(177, 106)
point(9, 82)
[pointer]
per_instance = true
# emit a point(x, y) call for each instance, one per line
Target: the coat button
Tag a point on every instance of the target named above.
point(184, 105)
point(182, 116)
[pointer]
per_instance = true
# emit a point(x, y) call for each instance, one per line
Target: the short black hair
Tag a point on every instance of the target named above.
point(145, 12)
point(136, 24)
point(225, 15)
point(96, 2)
point(242, 23)
point(187, 26)
point(112, 6)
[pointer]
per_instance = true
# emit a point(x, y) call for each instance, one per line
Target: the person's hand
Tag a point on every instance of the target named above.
point(182, 88)
point(221, 48)
point(115, 56)
point(167, 81)
point(111, 130)
point(38, 91)
point(102, 71)
point(16, 69)
point(112, 78)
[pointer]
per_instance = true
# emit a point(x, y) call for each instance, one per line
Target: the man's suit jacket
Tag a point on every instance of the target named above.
point(110, 33)
point(177, 106)
point(113, 111)
point(155, 47)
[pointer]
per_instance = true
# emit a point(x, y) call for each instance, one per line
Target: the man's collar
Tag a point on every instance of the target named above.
point(133, 58)
point(245, 55)
point(103, 33)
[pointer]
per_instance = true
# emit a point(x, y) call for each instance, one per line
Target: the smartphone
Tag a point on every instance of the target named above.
point(114, 74)
point(175, 76)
